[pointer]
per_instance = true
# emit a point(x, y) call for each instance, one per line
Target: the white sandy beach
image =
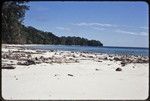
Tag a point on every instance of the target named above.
point(86, 79)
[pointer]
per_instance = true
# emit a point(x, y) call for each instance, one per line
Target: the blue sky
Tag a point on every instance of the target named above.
point(112, 23)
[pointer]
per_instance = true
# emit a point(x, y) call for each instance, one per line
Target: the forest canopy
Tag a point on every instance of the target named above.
point(14, 32)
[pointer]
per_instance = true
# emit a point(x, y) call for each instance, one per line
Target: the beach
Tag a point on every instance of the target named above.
point(49, 74)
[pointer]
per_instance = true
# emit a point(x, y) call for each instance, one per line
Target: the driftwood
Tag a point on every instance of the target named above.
point(7, 66)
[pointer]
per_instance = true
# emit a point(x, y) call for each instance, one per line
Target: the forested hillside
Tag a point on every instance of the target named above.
point(14, 32)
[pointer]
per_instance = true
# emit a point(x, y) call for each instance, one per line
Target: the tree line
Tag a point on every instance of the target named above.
point(14, 32)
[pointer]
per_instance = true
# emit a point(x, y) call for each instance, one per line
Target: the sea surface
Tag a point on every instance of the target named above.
point(105, 49)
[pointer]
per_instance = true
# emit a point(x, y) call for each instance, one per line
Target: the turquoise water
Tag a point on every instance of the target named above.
point(105, 49)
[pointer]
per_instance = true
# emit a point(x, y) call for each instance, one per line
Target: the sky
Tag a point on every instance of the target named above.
point(113, 23)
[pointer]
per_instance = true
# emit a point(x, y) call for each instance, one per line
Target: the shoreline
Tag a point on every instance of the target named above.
point(87, 75)
point(20, 52)
point(78, 45)
point(25, 46)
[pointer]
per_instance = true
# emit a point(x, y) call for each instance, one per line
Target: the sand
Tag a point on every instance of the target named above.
point(86, 79)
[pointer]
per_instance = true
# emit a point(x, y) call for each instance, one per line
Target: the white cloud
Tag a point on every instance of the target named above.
point(144, 28)
point(132, 33)
point(63, 28)
point(106, 25)
point(135, 27)
point(113, 27)
point(93, 24)
point(144, 33)
point(97, 28)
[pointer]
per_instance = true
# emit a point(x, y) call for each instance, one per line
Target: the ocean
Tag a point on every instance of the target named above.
point(105, 49)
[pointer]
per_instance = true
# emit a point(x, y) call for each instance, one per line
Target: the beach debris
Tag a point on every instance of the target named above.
point(118, 69)
point(70, 75)
point(123, 63)
point(42, 58)
point(40, 51)
point(83, 55)
point(26, 57)
point(76, 61)
point(73, 56)
point(111, 59)
point(21, 63)
point(29, 56)
point(142, 60)
point(36, 58)
point(55, 75)
point(105, 58)
point(99, 61)
point(117, 59)
point(90, 56)
point(27, 63)
point(30, 62)
point(108, 64)
point(110, 56)
point(11, 61)
point(7, 66)
point(97, 69)
point(15, 77)
point(5, 56)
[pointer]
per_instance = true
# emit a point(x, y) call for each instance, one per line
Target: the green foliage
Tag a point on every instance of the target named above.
point(13, 32)
point(79, 41)
point(35, 36)
point(12, 14)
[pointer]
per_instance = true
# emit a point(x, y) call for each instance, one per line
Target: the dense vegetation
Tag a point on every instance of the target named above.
point(12, 17)
point(14, 32)
point(32, 35)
